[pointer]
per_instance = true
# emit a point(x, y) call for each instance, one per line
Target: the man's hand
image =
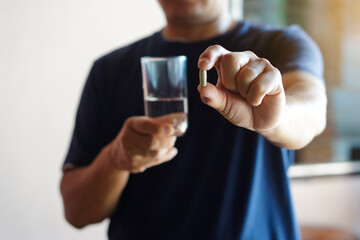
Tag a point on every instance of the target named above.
point(142, 143)
point(249, 91)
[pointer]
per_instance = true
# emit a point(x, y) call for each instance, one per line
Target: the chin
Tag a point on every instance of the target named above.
point(182, 8)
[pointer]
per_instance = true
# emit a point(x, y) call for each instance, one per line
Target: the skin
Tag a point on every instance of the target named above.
point(195, 20)
point(91, 193)
point(289, 110)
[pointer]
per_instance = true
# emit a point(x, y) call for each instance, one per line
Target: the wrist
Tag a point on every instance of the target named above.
point(277, 134)
point(111, 157)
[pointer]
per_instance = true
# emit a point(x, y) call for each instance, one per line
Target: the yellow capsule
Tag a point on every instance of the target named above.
point(203, 77)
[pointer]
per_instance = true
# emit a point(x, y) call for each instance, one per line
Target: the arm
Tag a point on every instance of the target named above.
point(288, 110)
point(91, 193)
point(305, 115)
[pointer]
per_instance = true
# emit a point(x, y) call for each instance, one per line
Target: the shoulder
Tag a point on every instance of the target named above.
point(126, 54)
point(115, 67)
point(263, 38)
point(294, 50)
point(291, 38)
point(288, 48)
point(293, 34)
point(271, 32)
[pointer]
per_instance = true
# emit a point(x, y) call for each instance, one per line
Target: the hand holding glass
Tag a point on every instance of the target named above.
point(165, 90)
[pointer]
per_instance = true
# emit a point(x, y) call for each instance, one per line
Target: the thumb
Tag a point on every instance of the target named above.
point(213, 96)
point(231, 105)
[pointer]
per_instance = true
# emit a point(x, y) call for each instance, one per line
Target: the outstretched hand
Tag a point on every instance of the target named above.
point(249, 91)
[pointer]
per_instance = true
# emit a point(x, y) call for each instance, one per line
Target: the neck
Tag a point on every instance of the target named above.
point(189, 31)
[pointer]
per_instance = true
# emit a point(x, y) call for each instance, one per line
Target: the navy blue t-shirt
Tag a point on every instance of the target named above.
point(226, 182)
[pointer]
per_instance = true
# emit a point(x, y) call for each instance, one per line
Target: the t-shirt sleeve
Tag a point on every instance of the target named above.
point(294, 50)
point(87, 137)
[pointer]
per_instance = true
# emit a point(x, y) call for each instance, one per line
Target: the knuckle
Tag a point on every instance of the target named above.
point(273, 73)
point(129, 124)
point(247, 74)
point(263, 61)
point(157, 160)
point(228, 58)
point(156, 155)
point(140, 169)
point(250, 71)
point(276, 72)
point(151, 142)
point(137, 170)
point(133, 165)
point(155, 127)
point(159, 128)
point(258, 87)
point(216, 47)
point(250, 53)
point(129, 121)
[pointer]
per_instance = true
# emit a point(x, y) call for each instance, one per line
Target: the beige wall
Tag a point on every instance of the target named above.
point(46, 50)
point(335, 26)
point(332, 202)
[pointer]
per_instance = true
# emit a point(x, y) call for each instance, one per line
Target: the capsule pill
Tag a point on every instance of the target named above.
point(203, 77)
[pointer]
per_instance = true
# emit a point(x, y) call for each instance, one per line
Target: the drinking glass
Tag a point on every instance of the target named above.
point(165, 90)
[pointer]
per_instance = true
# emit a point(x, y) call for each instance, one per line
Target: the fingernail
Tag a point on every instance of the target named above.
point(203, 61)
point(205, 100)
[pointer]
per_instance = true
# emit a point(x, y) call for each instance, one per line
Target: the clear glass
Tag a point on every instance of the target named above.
point(165, 90)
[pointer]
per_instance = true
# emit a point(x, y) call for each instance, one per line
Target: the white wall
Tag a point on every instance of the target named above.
point(46, 50)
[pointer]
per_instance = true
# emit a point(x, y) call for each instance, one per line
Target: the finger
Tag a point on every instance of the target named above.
point(227, 103)
point(166, 156)
point(213, 96)
point(230, 65)
point(210, 56)
point(152, 158)
point(248, 73)
point(153, 142)
point(146, 125)
point(134, 140)
point(267, 83)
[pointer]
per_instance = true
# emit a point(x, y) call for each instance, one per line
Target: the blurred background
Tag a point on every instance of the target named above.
point(325, 180)
point(335, 26)
point(46, 50)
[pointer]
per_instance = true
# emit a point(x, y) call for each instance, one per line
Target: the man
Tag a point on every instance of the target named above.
point(226, 177)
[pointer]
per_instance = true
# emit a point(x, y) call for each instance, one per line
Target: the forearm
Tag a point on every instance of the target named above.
point(305, 115)
point(91, 193)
